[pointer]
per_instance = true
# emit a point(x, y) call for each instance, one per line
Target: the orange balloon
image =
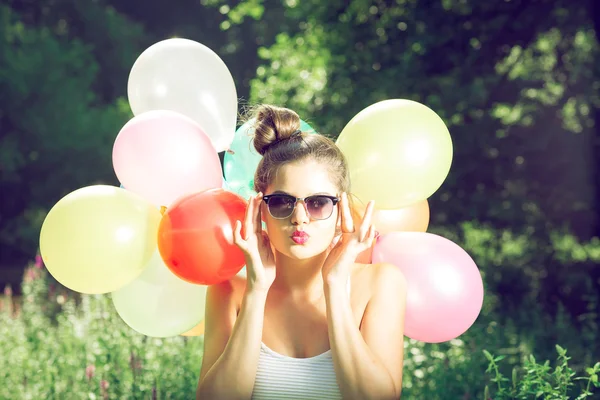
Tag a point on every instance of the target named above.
point(195, 236)
point(366, 257)
point(413, 218)
point(198, 330)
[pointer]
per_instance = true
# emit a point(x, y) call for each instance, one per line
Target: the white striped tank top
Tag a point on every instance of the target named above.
point(283, 377)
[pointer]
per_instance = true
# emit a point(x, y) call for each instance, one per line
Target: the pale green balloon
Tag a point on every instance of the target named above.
point(158, 303)
point(399, 152)
point(239, 167)
point(99, 238)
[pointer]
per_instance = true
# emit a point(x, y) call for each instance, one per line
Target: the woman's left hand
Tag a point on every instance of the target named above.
point(352, 242)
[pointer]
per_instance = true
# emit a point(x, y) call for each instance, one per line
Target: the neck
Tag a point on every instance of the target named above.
point(301, 279)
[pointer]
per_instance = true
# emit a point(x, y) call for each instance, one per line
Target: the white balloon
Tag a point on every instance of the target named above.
point(187, 77)
point(158, 303)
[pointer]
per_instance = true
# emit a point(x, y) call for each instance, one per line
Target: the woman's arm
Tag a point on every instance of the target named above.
point(231, 344)
point(232, 341)
point(368, 362)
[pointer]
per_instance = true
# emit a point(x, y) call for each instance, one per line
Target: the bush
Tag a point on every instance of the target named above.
point(537, 380)
point(59, 346)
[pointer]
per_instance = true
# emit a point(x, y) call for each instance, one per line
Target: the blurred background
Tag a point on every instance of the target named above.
point(516, 81)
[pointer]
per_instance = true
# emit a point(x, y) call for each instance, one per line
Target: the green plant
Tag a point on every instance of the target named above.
point(56, 345)
point(539, 380)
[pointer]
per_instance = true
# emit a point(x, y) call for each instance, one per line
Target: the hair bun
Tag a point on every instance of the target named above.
point(274, 125)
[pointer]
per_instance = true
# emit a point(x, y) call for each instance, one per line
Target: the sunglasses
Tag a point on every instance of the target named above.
point(319, 206)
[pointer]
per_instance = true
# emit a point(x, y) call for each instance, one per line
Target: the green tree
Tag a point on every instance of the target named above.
point(513, 80)
point(57, 130)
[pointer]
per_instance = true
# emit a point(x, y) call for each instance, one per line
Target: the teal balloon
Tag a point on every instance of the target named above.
point(240, 165)
point(225, 185)
point(304, 127)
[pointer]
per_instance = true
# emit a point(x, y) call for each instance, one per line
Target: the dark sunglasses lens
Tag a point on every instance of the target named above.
point(319, 207)
point(281, 206)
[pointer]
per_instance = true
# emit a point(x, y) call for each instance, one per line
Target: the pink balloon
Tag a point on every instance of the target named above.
point(163, 155)
point(445, 289)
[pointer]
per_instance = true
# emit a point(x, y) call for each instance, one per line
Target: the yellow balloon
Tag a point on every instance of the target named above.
point(99, 238)
point(398, 151)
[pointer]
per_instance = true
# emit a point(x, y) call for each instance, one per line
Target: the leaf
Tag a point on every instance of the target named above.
point(488, 355)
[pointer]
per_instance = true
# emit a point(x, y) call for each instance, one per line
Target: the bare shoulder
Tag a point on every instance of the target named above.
point(384, 279)
point(387, 271)
point(379, 271)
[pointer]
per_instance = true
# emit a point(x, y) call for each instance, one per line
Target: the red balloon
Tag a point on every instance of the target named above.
point(195, 236)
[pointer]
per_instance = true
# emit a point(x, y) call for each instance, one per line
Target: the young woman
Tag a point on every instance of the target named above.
point(308, 322)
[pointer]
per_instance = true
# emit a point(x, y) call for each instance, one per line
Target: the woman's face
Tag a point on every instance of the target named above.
point(299, 236)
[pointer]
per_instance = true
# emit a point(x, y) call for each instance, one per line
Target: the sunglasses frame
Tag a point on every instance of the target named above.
point(333, 199)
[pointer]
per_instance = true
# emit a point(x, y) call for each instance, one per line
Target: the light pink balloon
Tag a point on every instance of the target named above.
point(163, 155)
point(445, 289)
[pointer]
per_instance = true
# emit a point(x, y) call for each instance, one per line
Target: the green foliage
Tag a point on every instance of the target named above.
point(538, 380)
point(288, 60)
point(60, 345)
point(538, 280)
point(57, 131)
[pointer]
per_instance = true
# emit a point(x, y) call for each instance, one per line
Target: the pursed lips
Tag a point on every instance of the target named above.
point(300, 237)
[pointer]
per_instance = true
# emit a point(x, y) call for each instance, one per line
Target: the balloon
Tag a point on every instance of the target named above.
point(398, 151)
point(445, 289)
point(158, 303)
point(195, 236)
point(225, 185)
point(99, 238)
point(198, 330)
point(163, 155)
point(413, 218)
point(305, 127)
point(185, 76)
point(240, 165)
point(239, 188)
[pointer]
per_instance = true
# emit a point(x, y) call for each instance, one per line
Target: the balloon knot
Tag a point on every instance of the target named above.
point(230, 151)
point(163, 209)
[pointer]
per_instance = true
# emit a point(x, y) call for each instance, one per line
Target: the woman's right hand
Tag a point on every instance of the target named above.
point(255, 244)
